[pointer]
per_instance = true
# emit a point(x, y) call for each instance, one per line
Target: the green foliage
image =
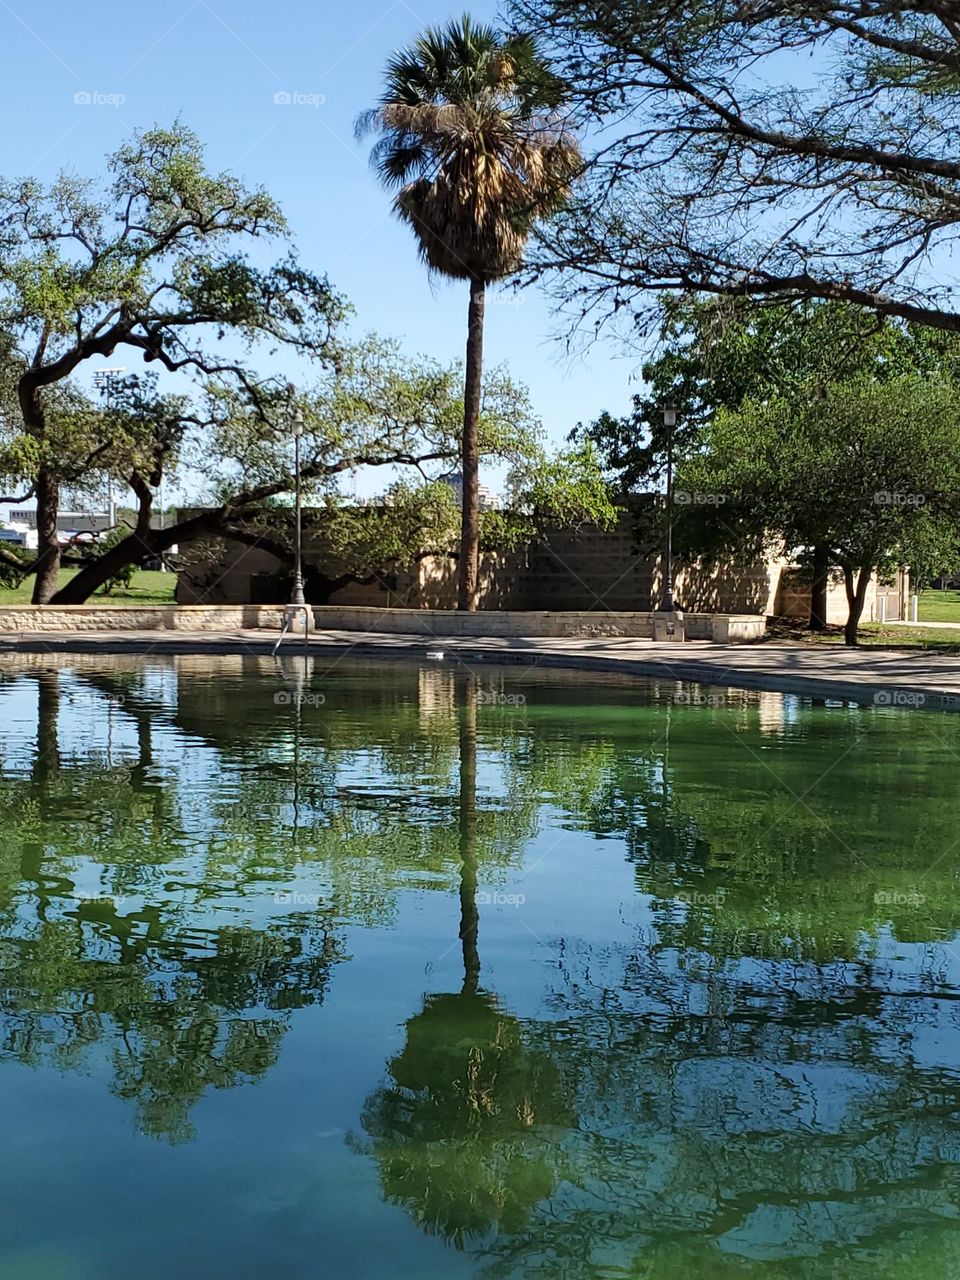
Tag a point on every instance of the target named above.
point(717, 353)
point(14, 556)
point(412, 519)
point(148, 263)
point(869, 470)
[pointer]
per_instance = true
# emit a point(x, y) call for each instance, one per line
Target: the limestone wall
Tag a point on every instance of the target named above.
point(569, 569)
point(428, 623)
point(83, 617)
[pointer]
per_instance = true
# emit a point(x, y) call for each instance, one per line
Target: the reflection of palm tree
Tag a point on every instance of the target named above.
point(456, 1132)
point(46, 761)
point(469, 911)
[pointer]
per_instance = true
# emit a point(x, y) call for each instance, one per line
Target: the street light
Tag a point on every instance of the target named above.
point(297, 599)
point(107, 382)
point(670, 422)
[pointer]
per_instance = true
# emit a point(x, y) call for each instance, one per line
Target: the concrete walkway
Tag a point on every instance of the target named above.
point(888, 677)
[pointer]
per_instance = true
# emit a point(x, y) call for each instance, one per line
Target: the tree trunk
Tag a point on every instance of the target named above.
point(818, 589)
point(82, 586)
point(856, 595)
point(134, 548)
point(48, 547)
point(470, 452)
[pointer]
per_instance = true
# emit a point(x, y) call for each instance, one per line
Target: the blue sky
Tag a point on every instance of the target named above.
point(218, 65)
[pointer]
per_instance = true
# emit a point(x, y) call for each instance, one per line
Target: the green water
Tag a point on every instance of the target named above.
point(366, 970)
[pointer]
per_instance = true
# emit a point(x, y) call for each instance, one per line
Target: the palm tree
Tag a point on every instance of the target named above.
point(470, 134)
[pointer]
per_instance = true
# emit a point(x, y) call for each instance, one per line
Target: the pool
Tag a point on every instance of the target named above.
point(327, 967)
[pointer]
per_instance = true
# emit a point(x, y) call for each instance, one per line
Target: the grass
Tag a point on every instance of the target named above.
point(872, 635)
point(940, 606)
point(146, 587)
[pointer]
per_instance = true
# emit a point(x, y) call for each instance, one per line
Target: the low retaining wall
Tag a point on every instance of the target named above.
point(161, 617)
point(724, 628)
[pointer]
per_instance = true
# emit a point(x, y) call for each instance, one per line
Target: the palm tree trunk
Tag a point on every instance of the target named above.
point(470, 451)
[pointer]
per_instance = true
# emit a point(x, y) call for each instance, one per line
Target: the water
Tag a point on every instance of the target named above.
point(437, 972)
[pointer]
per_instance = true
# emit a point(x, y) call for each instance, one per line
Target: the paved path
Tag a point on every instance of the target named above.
point(916, 677)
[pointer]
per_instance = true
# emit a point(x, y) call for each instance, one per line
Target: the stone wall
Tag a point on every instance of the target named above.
point(883, 603)
point(83, 617)
point(586, 570)
point(428, 623)
point(570, 569)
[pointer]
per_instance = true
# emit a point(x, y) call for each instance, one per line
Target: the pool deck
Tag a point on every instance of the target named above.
point(884, 677)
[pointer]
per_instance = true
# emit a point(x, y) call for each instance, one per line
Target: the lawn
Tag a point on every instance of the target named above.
point(940, 606)
point(875, 634)
point(147, 587)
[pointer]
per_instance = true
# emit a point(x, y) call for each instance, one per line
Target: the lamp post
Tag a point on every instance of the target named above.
point(297, 598)
point(107, 381)
point(670, 422)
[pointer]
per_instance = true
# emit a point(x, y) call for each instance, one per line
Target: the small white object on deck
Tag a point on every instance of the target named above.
point(435, 655)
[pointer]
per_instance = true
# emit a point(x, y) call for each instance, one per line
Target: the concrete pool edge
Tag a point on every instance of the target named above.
point(916, 679)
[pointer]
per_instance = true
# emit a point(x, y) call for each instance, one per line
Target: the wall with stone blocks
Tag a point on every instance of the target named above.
point(82, 617)
point(428, 623)
point(570, 569)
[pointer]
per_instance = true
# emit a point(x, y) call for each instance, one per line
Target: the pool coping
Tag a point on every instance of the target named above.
point(886, 678)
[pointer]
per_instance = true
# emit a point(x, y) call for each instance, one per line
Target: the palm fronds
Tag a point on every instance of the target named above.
point(471, 132)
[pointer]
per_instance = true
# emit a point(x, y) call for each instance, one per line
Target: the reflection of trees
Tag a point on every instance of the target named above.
point(131, 974)
point(784, 1120)
point(174, 1021)
point(804, 842)
point(748, 1085)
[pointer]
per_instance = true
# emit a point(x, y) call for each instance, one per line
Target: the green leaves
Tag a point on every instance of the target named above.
point(869, 469)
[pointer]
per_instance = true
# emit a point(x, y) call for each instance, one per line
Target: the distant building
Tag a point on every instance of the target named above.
point(489, 501)
point(67, 521)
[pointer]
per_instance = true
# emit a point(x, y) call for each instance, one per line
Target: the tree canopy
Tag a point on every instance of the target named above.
point(773, 149)
point(869, 470)
point(151, 262)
